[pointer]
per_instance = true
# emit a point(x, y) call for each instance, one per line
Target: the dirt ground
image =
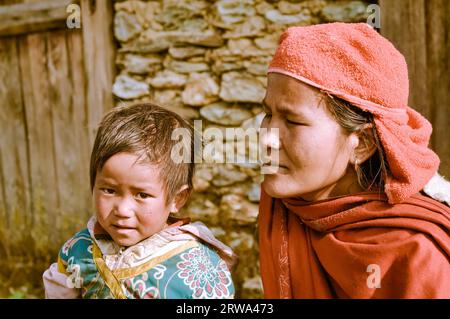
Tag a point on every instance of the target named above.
point(22, 280)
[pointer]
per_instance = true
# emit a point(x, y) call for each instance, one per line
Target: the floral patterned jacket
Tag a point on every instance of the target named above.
point(181, 261)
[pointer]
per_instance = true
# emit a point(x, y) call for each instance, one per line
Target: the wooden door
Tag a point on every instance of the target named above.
point(55, 85)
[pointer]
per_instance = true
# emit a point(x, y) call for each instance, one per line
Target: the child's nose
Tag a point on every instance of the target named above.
point(124, 208)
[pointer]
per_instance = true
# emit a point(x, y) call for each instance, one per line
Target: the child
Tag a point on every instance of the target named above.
point(132, 247)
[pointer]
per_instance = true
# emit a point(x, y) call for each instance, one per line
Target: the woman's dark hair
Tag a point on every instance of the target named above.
point(371, 173)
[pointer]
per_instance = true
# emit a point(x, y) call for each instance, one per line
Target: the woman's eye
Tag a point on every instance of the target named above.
point(143, 195)
point(293, 123)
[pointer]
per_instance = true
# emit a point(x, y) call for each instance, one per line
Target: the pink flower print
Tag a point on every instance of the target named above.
point(202, 276)
point(137, 289)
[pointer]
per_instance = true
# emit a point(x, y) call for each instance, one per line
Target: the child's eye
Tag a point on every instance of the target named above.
point(142, 195)
point(108, 191)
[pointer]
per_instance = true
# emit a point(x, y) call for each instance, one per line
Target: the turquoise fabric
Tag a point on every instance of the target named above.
point(196, 272)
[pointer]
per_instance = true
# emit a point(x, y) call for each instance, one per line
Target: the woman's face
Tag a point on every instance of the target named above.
point(314, 151)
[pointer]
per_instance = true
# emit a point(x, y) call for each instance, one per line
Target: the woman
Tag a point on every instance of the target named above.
point(343, 216)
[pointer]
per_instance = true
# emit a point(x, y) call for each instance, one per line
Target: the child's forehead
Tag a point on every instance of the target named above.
point(137, 158)
point(131, 166)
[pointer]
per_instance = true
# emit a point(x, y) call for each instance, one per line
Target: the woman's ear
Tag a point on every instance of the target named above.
point(363, 144)
point(180, 199)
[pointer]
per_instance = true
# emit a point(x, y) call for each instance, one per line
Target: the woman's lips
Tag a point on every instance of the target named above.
point(274, 165)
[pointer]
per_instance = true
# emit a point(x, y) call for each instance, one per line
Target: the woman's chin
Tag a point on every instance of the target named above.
point(282, 186)
point(274, 187)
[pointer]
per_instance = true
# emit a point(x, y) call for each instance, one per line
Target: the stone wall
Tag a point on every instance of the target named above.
point(208, 60)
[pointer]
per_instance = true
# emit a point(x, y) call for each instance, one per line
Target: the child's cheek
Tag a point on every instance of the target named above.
point(102, 206)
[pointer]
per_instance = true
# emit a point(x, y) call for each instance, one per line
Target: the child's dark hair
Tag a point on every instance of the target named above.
point(144, 129)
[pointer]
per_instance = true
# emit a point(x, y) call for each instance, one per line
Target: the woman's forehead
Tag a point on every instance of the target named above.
point(289, 87)
point(289, 95)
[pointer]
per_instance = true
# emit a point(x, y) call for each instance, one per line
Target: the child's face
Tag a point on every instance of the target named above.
point(130, 200)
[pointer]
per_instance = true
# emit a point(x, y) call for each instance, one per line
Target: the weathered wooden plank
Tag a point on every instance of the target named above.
point(80, 128)
point(32, 17)
point(438, 74)
point(42, 156)
point(15, 201)
point(60, 91)
point(403, 22)
point(99, 51)
point(71, 166)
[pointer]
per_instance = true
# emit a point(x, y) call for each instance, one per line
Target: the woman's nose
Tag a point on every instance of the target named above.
point(269, 150)
point(270, 137)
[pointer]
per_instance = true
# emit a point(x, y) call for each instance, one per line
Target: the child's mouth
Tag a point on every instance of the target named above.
point(122, 227)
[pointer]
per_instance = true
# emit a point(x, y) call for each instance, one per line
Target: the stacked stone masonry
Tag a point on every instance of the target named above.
point(207, 60)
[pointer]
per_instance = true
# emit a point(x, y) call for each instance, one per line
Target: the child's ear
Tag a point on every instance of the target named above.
point(180, 199)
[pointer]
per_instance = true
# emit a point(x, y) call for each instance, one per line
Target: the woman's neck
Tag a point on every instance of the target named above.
point(346, 185)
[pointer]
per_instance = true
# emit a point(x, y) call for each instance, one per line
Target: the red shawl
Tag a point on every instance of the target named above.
point(356, 246)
